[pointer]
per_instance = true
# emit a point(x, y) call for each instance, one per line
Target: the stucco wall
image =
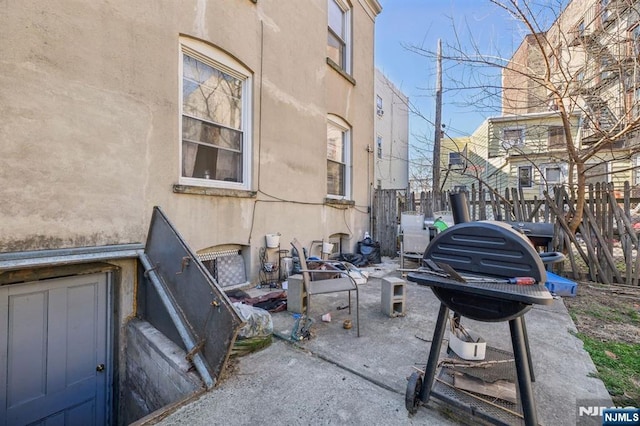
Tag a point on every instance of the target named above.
point(90, 106)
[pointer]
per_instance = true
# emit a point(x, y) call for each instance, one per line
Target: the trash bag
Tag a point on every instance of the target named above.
point(258, 321)
point(355, 259)
point(370, 250)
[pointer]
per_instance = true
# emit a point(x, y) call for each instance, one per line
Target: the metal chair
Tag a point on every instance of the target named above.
point(324, 286)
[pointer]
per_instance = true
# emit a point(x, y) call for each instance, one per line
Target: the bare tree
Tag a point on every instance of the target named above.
point(580, 64)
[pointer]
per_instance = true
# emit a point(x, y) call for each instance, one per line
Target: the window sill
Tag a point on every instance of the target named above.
point(340, 71)
point(339, 202)
point(216, 192)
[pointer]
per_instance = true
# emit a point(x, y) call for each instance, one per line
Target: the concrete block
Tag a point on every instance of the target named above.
point(393, 296)
point(296, 296)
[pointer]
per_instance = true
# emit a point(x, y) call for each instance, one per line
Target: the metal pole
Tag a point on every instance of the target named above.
point(438, 133)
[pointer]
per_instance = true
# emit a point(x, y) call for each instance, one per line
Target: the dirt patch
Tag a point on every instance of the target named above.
point(606, 313)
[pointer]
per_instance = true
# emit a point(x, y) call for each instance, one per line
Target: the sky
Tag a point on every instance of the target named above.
point(421, 23)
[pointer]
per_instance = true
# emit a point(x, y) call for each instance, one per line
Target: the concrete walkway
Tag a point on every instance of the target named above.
point(338, 378)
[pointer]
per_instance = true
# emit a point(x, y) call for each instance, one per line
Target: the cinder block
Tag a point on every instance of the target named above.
point(393, 296)
point(296, 296)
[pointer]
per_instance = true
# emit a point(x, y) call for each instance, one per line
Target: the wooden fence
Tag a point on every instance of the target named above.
point(603, 249)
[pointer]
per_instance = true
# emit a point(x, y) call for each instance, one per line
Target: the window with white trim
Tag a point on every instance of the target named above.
point(512, 137)
point(215, 118)
point(455, 159)
point(379, 145)
point(553, 174)
point(525, 179)
point(339, 37)
point(338, 158)
point(556, 137)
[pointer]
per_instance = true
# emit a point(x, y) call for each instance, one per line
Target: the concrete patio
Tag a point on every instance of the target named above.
point(338, 378)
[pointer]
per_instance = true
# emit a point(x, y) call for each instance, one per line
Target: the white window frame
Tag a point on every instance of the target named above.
point(379, 146)
point(338, 122)
point(218, 59)
point(550, 144)
point(530, 170)
point(455, 159)
point(510, 143)
point(560, 168)
point(347, 40)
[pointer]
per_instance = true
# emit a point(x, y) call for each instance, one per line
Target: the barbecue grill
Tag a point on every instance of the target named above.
point(496, 252)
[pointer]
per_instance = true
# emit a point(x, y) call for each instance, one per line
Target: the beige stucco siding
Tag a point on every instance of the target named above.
point(89, 99)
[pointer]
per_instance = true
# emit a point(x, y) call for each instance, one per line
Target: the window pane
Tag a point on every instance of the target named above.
point(524, 176)
point(211, 94)
point(455, 158)
point(335, 178)
point(335, 49)
point(336, 19)
point(556, 137)
point(335, 143)
point(552, 174)
point(199, 131)
point(513, 136)
point(207, 162)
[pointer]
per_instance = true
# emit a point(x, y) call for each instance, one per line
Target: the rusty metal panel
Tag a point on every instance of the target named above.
point(203, 307)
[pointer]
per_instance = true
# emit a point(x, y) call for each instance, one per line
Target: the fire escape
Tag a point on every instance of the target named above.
point(597, 88)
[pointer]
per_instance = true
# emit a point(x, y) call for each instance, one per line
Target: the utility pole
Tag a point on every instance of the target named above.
point(438, 133)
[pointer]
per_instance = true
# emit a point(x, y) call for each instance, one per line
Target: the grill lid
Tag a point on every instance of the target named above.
point(487, 248)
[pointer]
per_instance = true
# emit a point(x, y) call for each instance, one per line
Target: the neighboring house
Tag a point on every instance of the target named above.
point(391, 149)
point(466, 161)
point(533, 151)
point(238, 118)
point(592, 50)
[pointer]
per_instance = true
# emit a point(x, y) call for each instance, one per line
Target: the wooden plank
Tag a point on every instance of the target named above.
point(572, 258)
point(516, 205)
point(607, 254)
point(627, 198)
point(502, 389)
point(565, 226)
point(481, 202)
point(590, 258)
point(533, 213)
point(495, 211)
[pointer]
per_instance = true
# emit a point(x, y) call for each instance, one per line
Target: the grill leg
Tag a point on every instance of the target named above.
point(520, 354)
point(434, 353)
point(526, 343)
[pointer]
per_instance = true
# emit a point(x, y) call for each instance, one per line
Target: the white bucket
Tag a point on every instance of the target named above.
point(273, 240)
point(327, 248)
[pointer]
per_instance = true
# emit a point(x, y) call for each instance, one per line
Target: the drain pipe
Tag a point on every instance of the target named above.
point(198, 362)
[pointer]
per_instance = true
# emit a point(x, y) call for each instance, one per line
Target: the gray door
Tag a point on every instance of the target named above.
point(53, 346)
